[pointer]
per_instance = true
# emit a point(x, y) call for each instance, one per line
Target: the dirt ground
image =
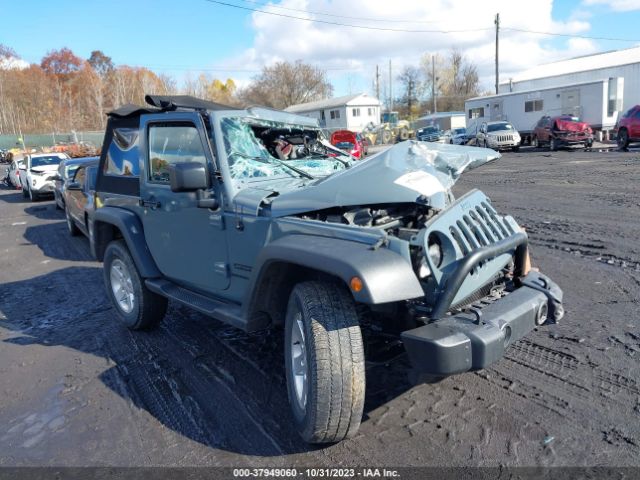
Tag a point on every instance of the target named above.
point(76, 388)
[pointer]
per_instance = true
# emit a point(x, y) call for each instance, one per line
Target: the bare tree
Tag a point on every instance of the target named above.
point(412, 84)
point(284, 84)
point(453, 80)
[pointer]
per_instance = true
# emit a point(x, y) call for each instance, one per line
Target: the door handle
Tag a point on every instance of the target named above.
point(149, 203)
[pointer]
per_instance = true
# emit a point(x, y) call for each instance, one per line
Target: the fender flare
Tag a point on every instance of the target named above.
point(386, 276)
point(130, 228)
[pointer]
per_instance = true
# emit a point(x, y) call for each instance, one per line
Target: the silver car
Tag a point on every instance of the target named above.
point(499, 136)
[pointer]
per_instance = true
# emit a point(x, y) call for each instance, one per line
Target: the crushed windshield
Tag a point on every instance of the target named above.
point(259, 149)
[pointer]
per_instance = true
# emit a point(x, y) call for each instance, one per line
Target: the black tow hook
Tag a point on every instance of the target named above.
point(542, 283)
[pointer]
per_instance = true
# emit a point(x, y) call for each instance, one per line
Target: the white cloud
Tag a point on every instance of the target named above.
point(346, 52)
point(616, 5)
point(11, 63)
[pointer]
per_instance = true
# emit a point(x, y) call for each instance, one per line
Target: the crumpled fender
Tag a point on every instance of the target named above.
point(386, 276)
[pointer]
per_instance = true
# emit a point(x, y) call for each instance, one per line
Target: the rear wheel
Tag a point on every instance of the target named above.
point(623, 139)
point(138, 307)
point(516, 149)
point(324, 359)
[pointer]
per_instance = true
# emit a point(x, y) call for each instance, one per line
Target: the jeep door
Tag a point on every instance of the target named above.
point(187, 242)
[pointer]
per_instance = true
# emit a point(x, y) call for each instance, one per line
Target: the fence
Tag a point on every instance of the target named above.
point(39, 140)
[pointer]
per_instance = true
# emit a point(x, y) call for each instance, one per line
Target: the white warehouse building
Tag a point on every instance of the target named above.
point(351, 112)
point(601, 66)
point(597, 88)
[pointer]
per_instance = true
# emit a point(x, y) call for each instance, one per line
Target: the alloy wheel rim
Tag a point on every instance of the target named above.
point(122, 286)
point(299, 370)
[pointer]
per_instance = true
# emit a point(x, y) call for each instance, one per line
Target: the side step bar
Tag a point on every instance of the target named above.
point(225, 312)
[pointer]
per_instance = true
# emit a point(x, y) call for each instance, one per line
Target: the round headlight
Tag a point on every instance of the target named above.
point(435, 252)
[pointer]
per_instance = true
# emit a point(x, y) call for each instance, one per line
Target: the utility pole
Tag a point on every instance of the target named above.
point(377, 83)
point(497, 22)
point(433, 83)
point(390, 88)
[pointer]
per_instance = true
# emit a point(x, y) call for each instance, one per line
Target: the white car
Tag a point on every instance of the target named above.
point(499, 136)
point(40, 174)
point(456, 136)
point(14, 172)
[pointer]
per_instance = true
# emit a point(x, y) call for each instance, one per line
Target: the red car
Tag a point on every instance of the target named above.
point(350, 142)
point(561, 131)
point(628, 127)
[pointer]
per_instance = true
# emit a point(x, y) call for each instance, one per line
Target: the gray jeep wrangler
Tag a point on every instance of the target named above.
point(252, 218)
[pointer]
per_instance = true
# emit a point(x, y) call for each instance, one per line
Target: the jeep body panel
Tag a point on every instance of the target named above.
point(129, 226)
point(193, 252)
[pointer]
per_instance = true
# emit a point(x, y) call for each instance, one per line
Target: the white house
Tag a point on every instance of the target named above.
point(351, 112)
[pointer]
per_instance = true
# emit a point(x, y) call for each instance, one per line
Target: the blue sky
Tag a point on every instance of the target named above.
point(196, 35)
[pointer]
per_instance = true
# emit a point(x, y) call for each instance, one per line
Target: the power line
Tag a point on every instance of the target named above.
point(364, 19)
point(401, 30)
point(570, 35)
point(327, 22)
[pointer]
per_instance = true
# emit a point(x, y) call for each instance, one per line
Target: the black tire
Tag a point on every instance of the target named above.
point(516, 149)
point(534, 142)
point(71, 225)
point(25, 194)
point(623, 139)
point(334, 359)
point(148, 308)
point(33, 196)
point(553, 145)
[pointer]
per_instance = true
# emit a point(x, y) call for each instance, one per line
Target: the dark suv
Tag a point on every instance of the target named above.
point(628, 127)
point(193, 205)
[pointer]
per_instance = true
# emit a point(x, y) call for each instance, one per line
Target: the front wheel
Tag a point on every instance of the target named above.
point(33, 196)
point(553, 144)
point(138, 307)
point(623, 139)
point(324, 360)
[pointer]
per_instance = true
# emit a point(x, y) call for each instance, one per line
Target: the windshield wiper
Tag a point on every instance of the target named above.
point(281, 162)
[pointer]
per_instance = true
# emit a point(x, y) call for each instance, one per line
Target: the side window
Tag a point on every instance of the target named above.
point(637, 114)
point(80, 176)
point(122, 155)
point(170, 144)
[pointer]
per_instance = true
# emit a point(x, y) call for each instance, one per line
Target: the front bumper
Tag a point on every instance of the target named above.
point(503, 145)
point(474, 340)
point(574, 139)
point(47, 186)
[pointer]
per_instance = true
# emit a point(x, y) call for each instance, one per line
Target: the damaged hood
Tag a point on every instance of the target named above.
point(400, 174)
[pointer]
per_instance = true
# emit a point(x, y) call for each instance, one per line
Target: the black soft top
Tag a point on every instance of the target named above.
point(165, 103)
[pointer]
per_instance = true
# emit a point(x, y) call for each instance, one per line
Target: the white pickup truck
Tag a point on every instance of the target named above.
point(39, 176)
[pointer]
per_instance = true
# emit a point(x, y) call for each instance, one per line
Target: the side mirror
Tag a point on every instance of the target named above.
point(57, 178)
point(74, 186)
point(188, 177)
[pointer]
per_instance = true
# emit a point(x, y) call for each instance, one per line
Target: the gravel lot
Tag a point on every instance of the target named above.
point(78, 389)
